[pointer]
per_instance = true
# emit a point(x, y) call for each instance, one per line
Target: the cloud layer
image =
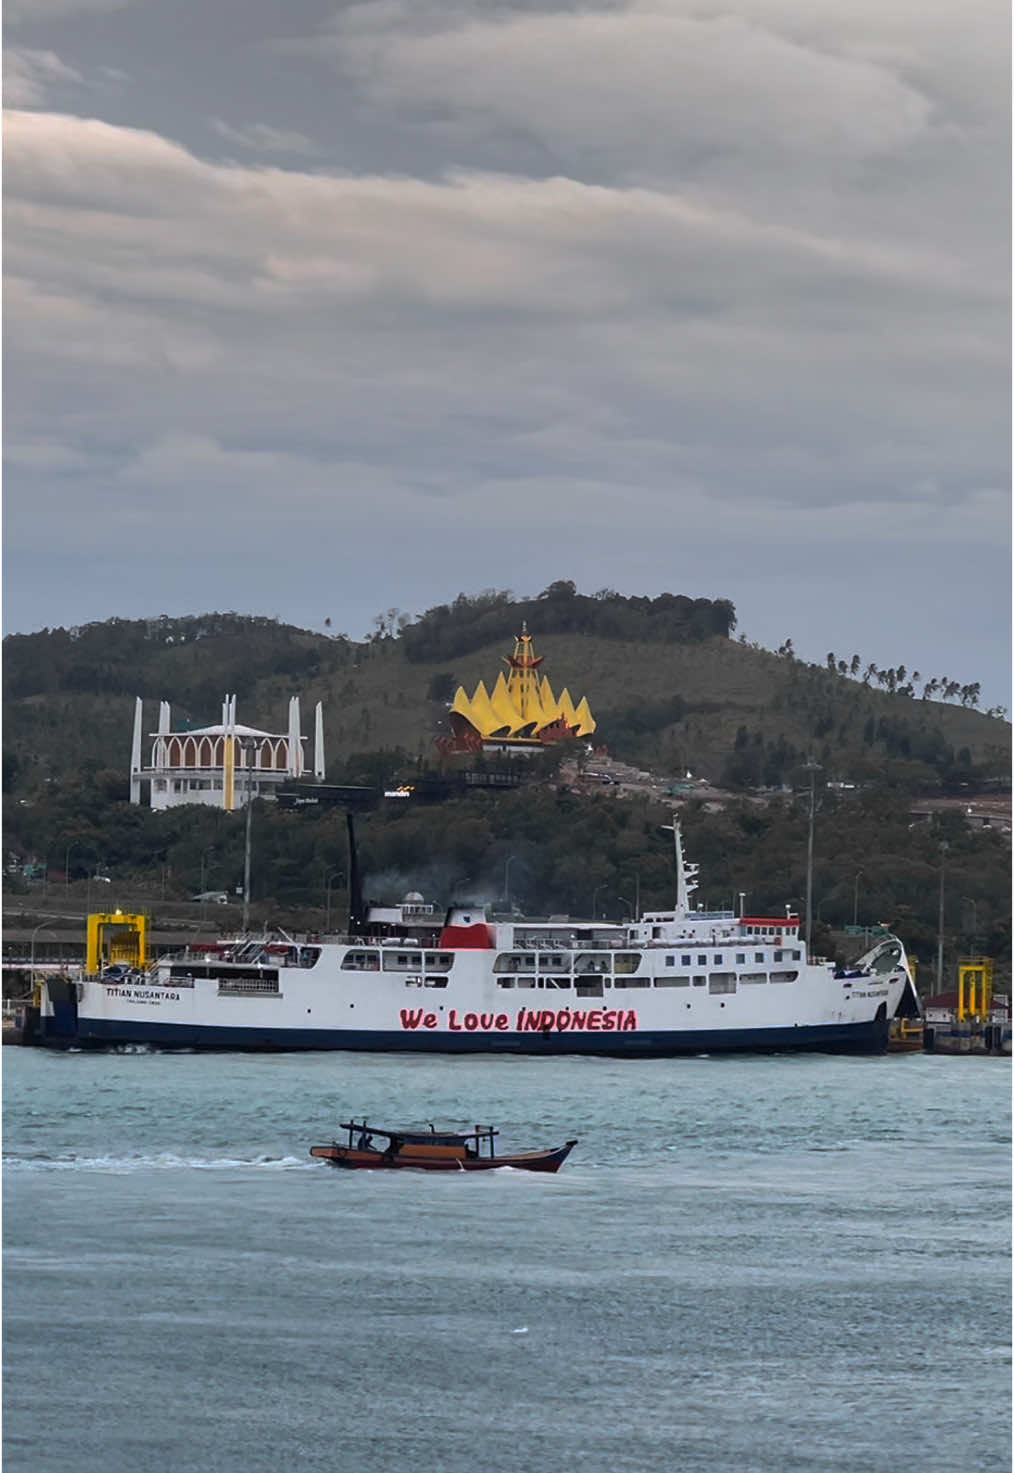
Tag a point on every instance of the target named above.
point(645, 295)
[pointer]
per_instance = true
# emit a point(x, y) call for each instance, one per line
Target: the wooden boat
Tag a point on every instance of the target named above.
point(432, 1150)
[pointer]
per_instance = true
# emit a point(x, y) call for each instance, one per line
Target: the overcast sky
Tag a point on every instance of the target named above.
point(318, 310)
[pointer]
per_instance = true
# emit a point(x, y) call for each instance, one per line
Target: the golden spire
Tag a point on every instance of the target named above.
point(521, 706)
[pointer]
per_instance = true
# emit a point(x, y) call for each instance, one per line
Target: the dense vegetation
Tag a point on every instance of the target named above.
point(548, 851)
point(469, 623)
point(670, 690)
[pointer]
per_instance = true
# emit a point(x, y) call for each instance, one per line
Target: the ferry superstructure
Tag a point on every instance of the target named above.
point(680, 981)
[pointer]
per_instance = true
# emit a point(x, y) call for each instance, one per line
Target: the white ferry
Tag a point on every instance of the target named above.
point(680, 981)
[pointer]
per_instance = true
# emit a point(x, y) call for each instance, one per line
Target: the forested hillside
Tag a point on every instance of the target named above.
point(670, 688)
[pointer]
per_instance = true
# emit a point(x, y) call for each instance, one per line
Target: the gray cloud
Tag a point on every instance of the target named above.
point(31, 76)
point(644, 296)
point(262, 138)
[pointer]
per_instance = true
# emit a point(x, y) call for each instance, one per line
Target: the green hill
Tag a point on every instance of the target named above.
point(671, 688)
point(668, 692)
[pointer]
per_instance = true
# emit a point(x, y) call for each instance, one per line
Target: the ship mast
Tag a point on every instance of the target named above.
point(686, 874)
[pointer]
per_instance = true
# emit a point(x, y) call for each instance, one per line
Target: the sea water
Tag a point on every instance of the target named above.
point(788, 1263)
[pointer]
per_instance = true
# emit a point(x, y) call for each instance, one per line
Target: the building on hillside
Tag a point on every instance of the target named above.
point(221, 766)
point(520, 715)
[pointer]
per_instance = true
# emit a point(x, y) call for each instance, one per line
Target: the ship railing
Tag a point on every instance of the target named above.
point(248, 987)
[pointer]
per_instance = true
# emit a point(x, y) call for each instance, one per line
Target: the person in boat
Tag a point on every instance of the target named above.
point(365, 1142)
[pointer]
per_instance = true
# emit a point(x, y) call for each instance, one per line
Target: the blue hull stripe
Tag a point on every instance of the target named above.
point(870, 1037)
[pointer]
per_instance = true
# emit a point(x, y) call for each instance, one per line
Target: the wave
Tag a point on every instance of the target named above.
point(164, 1161)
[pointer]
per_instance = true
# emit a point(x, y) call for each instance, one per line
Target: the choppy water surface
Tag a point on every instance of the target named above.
point(754, 1264)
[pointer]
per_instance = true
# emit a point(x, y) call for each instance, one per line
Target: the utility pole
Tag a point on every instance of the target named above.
point(248, 748)
point(812, 768)
point(940, 918)
point(507, 882)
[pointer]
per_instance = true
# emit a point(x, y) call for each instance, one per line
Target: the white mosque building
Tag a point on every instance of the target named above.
point(222, 766)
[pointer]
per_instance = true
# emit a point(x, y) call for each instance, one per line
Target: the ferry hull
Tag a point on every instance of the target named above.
point(864, 1037)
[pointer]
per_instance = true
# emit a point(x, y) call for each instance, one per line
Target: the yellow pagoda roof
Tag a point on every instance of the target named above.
point(583, 719)
point(522, 704)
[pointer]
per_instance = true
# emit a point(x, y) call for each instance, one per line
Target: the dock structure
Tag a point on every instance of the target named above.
point(974, 1019)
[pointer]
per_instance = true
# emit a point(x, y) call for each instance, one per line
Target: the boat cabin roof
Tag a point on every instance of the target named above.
point(429, 1137)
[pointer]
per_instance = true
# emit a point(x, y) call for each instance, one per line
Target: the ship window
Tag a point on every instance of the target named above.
point(700, 981)
point(670, 961)
point(749, 978)
point(784, 976)
point(558, 982)
point(505, 981)
point(718, 959)
point(632, 982)
point(779, 956)
point(797, 956)
point(590, 988)
point(526, 981)
point(625, 962)
point(722, 982)
point(402, 961)
point(555, 962)
point(702, 960)
point(439, 961)
point(513, 961)
point(436, 981)
point(656, 931)
point(758, 956)
point(685, 960)
point(587, 961)
point(672, 981)
point(361, 961)
point(740, 958)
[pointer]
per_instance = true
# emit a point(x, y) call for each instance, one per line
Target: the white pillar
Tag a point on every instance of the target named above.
point(135, 753)
point(295, 744)
point(318, 742)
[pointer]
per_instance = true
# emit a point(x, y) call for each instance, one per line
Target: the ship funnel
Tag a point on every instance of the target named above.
point(357, 911)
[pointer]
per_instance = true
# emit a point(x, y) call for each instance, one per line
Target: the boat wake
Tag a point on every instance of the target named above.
point(165, 1161)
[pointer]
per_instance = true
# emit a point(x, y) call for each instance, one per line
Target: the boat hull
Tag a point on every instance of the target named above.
point(863, 1037)
point(350, 1159)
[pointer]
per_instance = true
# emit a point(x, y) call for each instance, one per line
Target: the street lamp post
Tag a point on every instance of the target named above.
point(636, 908)
point(628, 903)
point(248, 745)
point(329, 879)
point(940, 918)
point(507, 881)
point(855, 898)
point(595, 901)
point(74, 844)
point(204, 864)
point(812, 768)
point(31, 953)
